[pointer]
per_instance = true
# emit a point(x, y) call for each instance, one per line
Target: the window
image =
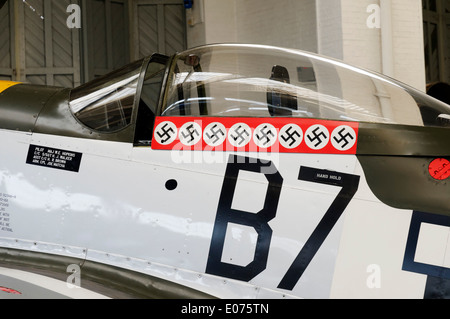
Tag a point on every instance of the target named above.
point(436, 27)
point(149, 99)
point(106, 104)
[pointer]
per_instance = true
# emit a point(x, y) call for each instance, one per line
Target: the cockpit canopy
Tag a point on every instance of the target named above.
point(106, 104)
point(252, 81)
point(260, 81)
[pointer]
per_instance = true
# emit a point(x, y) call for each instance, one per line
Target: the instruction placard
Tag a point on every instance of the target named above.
point(54, 158)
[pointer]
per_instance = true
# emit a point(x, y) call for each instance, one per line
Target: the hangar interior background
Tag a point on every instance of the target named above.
point(412, 42)
point(37, 46)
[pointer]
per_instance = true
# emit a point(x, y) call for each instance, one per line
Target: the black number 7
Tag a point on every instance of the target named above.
point(349, 184)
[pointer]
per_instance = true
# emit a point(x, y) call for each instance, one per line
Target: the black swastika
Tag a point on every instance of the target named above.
point(318, 137)
point(191, 132)
point(288, 135)
point(215, 134)
point(165, 134)
point(344, 139)
point(240, 133)
point(265, 134)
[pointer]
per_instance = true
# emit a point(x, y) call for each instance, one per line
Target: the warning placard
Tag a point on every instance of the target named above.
point(54, 158)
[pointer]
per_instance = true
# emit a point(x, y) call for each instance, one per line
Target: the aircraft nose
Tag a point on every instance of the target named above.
point(4, 85)
point(20, 104)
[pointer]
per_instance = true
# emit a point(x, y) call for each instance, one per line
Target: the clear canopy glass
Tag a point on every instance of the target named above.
point(106, 104)
point(263, 81)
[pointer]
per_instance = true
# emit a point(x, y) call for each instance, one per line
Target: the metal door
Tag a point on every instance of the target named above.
point(159, 27)
point(7, 61)
point(105, 36)
point(37, 46)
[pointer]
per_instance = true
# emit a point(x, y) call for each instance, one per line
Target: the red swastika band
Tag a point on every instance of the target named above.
point(282, 135)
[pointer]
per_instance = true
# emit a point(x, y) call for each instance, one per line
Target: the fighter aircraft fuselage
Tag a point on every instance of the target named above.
point(226, 171)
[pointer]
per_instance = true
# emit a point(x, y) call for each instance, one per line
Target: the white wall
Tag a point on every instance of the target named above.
point(336, 28)
point(361, 44)
point(329, 29)
point(287, 23)
point(395, 48)
point(408, 45)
